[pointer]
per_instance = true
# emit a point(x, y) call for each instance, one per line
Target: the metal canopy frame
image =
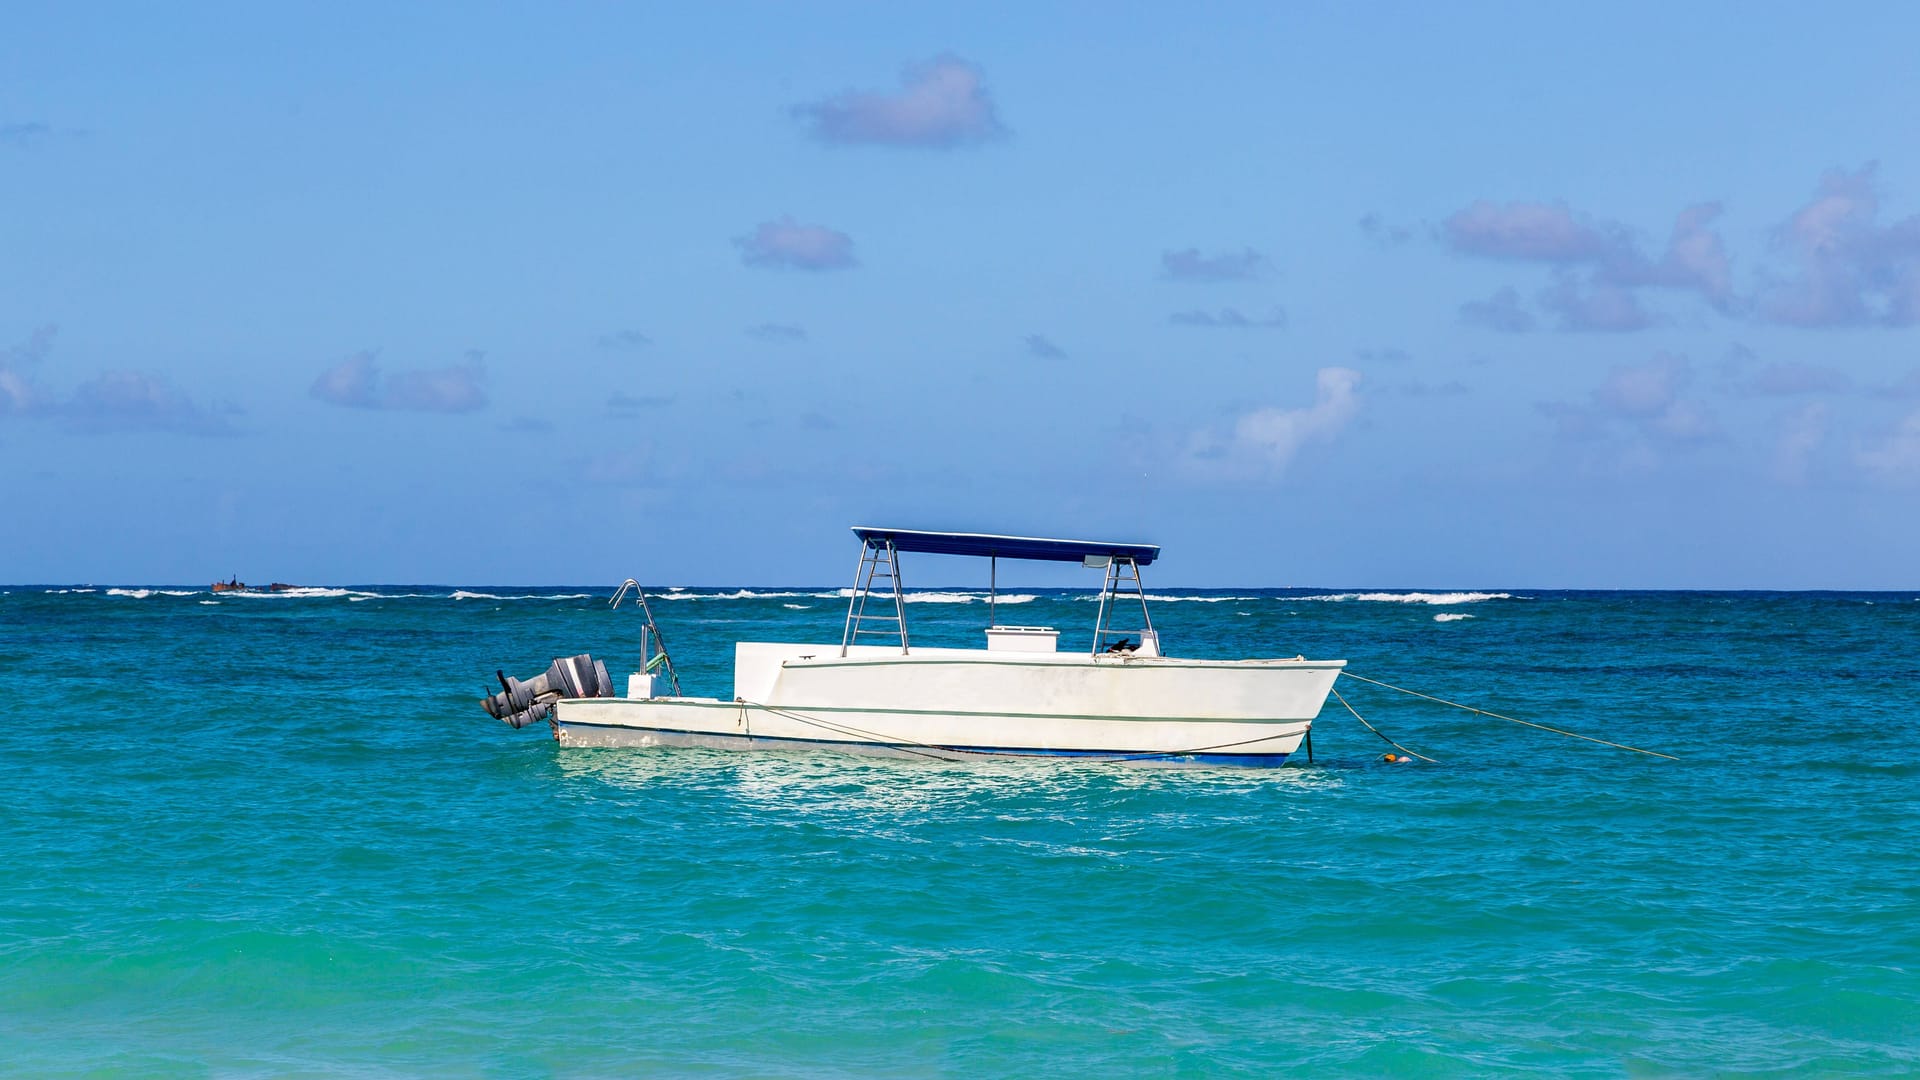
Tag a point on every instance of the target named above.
point(1120, 572)
point(880, 561)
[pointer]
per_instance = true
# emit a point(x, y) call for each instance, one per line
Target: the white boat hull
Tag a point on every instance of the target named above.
point(957, 703)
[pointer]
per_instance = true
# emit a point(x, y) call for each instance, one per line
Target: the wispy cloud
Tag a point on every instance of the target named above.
point(1896, 455)
point(1230, 318)
point(109, 402)
point(1420, 389)
point(777, 332)
point(1907, 386)
point(942, 104)
point(20, 389)
point(625, 340)
point(1503, 312)
point(1190, 265)
point(635, 466)
point(25, 134)
point(1039, 345)
point(621, 403)
point(1646, 400)
point(1847, 269)
point(787, 244)
point(140, 401)
point(1801, 433)
point(1597, 264)
point(1382, 232)
point(1594, 306)
point(1790, 380)
point(357, 382)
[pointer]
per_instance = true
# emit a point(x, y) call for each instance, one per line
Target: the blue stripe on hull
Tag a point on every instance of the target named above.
point(749, 742)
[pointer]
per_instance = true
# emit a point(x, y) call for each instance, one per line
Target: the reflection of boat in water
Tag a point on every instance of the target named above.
point(1121, 700)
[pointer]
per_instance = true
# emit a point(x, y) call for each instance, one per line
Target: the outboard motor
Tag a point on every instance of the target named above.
point(521, 703)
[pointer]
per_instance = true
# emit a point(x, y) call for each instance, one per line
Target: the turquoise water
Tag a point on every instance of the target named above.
point(275, 836)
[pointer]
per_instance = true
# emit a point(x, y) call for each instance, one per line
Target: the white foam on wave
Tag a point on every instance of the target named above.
point(1451, 616)
point(462, 594)
point(797, 607)
point(737, 594)
point(1407, 597)
point(215, 603)
point(967, 598)
point(1168, 598)
point(142, 594)
point(927, 597)
point(59, 592)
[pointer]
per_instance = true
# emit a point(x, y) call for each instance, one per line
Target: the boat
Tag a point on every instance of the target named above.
point(232, 585)
point(1019, 696)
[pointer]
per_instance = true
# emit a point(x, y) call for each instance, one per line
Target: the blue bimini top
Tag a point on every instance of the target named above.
point(986, 545)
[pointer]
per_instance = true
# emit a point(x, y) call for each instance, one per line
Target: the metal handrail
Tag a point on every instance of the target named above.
point(650, 630)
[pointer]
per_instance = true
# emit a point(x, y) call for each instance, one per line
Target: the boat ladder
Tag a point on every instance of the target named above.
point(878, 562)
point(1121, 571)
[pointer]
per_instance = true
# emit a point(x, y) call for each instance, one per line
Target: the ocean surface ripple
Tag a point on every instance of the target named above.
point(275, 836)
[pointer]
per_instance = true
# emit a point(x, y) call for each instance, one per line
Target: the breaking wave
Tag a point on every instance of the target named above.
point(1451, 616)
point(926, 597)
point(462, 594)
point(737, 594)
point(1407, 597)
point(142, 594)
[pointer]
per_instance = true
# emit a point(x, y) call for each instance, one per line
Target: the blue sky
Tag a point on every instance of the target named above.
point(1381, 295)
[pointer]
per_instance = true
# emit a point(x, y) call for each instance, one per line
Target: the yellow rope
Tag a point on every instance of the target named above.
point(1509, 719)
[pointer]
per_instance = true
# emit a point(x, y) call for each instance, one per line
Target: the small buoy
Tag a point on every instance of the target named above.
point(1389, 758)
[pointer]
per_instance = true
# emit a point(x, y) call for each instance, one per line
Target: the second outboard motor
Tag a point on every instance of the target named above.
point(521, 703)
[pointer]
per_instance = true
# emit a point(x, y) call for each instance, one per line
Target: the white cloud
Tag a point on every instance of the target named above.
point(942, 103)
point(1847, 269)
point(357, 382)
point(1265, 441)
point(787, 244)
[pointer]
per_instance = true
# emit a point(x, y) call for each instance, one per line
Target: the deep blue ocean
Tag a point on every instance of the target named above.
point(276, 836)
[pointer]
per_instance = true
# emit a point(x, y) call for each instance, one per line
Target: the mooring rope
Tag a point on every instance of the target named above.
point(1497, 716)
point(1377, 731)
